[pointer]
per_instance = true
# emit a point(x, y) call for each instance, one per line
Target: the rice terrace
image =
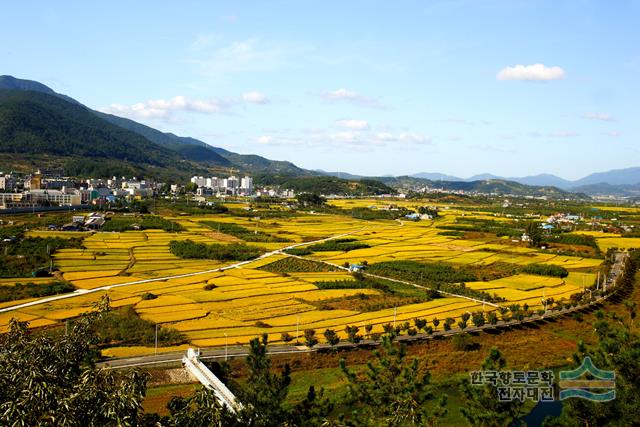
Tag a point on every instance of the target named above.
point(223, 279)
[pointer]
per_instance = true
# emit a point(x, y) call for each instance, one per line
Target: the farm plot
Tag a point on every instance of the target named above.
point(278, 294)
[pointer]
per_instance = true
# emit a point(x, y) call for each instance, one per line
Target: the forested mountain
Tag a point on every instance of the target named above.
point(187, 148)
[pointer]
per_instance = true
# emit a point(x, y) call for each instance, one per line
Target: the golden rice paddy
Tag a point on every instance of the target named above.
point(235, 305)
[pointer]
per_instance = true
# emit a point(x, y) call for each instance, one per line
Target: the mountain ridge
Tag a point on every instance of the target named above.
point(187, 147)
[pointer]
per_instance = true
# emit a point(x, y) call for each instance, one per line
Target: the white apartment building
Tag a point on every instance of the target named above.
point(246, 185)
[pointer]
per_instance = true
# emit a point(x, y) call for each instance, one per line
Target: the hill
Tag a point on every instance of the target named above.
point(327, 185)
point(46, 128)
point(616, 177)
point(487, 186)
point(187, 148)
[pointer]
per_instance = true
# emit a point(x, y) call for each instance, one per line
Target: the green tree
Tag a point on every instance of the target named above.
point(368, 328)
point(492, 318)
point(481, 406)
point(435, 322)
point(264, 397)
point(478, 319)
point(50, 380)
point(618, 349)
point(393, 391)
point(310, 337)
point(310, 199)
point(532, 229)
point(332, 337)
point(352, 334)
point(420, 323)
point(286, 337)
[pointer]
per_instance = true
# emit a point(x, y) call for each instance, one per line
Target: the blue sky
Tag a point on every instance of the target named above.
point(370, 87)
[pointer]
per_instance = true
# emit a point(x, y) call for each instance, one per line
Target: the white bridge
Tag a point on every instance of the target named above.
point(192, 363)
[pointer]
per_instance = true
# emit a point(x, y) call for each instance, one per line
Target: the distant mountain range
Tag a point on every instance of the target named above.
point(40, 127)
point(620, 182)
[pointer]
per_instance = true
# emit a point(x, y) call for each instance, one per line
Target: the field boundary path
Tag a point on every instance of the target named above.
point(415, 285)
point(171, 358)
point(79, 292)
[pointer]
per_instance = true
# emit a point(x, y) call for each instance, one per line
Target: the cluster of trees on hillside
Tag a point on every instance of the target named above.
point(326, 185)
point(545, 270)
point(438, 276)
point(221, 252)
point(24, 256)
point(393, 389)
point(37, 123)
point(296, 265)
point(243, 233)
point(373, 214)
point(20, 291)
point(124, 327)
point(344, 245)
point(146, 222)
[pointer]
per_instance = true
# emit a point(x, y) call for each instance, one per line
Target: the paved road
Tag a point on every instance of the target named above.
point(239, 351)
point(79, 292)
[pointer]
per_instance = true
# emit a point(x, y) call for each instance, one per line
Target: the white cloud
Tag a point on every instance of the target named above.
point(264, 139)
point(270, 140)
point(605, 117)
point(535, 72)
point(353, 124)
point(255, 98)
point(562, 134)
point(346, 95)
point(612, 133)
point(350, 138)
point(406, 137)
point(166, 108)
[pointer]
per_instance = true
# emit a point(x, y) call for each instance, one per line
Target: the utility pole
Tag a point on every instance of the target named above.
point(226, 352)
point(156, 346)
point(395, 311)
point(297, 328)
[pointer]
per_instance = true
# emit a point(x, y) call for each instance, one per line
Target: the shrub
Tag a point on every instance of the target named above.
point(462, 342)
point(310, 337)
point(243, 233)
point(31, 290)
point(332, 337)
point(230, 252)
point(545, 270)
point(261, 324)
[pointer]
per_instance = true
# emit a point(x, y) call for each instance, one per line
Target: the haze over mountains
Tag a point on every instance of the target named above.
point(38, 124)
point(628, 176)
